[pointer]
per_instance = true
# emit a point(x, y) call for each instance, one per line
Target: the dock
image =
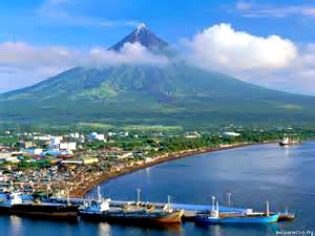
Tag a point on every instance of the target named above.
point(190, 210)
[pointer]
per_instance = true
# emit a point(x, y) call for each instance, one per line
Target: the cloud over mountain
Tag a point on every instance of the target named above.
point(26, 64)
point(221, 47)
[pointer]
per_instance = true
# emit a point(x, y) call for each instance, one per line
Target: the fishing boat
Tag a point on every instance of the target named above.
point(100, 210)
point(215, 217)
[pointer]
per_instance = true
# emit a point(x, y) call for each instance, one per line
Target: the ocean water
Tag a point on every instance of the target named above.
point(285, 176)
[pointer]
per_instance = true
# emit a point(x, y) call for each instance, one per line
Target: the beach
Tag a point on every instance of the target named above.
point(111, 174)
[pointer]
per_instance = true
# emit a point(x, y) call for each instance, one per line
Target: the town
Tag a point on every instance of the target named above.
point(73, 163)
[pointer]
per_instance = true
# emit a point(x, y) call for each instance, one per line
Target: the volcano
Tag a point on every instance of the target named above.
point(171, 94)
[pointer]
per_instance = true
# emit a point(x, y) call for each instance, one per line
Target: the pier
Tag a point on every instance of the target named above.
point(190, 210)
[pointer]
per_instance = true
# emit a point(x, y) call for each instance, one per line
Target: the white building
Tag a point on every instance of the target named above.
point(9, 157)
point(75, 135)
point(231, 134)
point(96, 137)
point(68, 146)
point(42, 138)
point(55, 141)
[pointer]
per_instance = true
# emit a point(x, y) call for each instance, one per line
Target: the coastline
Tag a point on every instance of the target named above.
point(97, 180)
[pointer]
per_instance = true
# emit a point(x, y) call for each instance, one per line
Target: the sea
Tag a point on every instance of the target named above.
point(252, 175)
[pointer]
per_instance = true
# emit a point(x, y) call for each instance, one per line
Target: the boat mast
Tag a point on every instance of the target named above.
point(169, 202)
point(267, 209)
point(68, 198)
point(99, 196)
point(229, 194)
point(213, 199)
point(138, 194)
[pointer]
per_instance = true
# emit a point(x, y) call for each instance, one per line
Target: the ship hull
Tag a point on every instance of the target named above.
point(237, 220)
point(4, 210)
point(145, 219)
point(67, 213)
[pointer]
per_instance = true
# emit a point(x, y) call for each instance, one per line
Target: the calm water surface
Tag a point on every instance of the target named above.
point(284, 176)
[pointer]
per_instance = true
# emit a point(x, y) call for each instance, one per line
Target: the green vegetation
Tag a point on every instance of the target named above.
point(170, 95)
point(180, 142)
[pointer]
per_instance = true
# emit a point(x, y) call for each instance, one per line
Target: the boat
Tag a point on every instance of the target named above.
point(286, 140)
point(7, 200)
point(286, 216)
point(45, 210)
point(100, 210)
point(215, 217)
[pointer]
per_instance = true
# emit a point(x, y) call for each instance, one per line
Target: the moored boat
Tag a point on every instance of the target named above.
point(7, 200)
point(286, 216)
point(134, 214)
point(215, 217)
point(45, 210)
point(286, 141)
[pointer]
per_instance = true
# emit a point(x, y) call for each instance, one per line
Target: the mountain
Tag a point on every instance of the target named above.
point(145, 37)
point(172, 94)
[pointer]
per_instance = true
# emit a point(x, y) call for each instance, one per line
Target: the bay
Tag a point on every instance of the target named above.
point(282, 175)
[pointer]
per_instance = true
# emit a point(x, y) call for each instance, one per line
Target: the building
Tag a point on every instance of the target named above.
point(96, 137)
point(27, 144)
point(9, 157)
point(72, 146)
point(90, 160)
point(231, 134)
point(55, 141)
point(33, 151)
point(124, 155)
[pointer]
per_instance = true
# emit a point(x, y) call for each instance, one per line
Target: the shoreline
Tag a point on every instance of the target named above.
point(80, 193)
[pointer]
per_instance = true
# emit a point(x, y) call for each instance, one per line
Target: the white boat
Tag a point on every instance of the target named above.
point(286, 140)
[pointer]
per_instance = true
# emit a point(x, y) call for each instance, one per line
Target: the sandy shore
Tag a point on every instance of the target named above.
point(157, 160)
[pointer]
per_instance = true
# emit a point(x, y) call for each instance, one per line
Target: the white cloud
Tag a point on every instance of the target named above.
point(131, 53)
point(220, 47)
point(270, 61)
point(25, 55)
point(22, 64)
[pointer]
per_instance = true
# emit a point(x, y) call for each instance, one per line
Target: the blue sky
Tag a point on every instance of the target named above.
point(73, 28)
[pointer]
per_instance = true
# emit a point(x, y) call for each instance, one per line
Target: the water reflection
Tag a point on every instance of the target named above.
point(104, 229)
point(287, 151)
point(254, 229)
point(16, 223)
point(147, 171)
point(107, 229)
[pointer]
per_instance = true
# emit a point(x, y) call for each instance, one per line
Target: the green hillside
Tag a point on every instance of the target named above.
point(174, 94)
